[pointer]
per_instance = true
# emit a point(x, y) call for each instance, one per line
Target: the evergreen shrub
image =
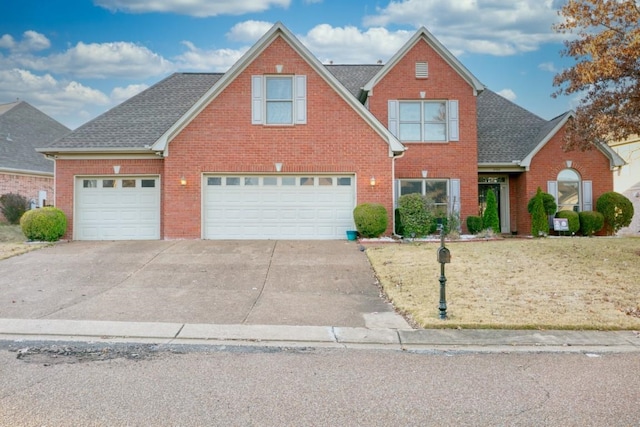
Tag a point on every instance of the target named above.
point(370, 219)
point(45, 224)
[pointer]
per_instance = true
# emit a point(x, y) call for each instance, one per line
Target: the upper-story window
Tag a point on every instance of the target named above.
point(278, 100)
point(424, 120)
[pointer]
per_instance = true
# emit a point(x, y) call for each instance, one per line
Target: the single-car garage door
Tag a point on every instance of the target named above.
point(117, 208)
point(278, 206)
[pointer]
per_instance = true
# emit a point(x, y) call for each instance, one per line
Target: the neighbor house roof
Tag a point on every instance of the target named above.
point(23, 128)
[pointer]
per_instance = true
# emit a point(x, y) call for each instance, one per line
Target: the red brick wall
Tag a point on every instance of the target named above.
point(442, 160)
point(592, 166)
point(25, 185)
point(67, 170)
point(222, 139)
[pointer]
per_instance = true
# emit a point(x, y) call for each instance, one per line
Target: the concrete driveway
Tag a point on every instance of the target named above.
point(319, 283)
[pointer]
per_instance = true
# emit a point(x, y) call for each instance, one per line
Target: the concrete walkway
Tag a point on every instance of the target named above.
point(274, 293)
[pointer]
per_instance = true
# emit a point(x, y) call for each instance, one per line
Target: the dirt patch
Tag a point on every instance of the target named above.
point(560, 283)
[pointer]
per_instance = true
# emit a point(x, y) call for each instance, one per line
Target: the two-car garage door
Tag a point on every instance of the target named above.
point(277, 206)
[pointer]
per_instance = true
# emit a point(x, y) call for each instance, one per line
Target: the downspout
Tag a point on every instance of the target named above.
point(394, 189)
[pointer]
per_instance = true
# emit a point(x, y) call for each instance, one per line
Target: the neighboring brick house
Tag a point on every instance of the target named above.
point(23, 128)
point(284, 147)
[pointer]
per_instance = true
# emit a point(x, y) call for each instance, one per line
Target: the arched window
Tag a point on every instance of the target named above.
point(568, 190)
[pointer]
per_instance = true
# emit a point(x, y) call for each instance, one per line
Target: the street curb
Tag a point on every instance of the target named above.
point(419, 340)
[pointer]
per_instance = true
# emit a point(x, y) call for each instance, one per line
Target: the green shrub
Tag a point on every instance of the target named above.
point(370, 219)
point(616, 209)
point(590, 222)
point(539, 218)
point(13, 206)
point(490, 217)
point(417, 220)
point(45, 224)
point(474, 224)
point(548, 202)
point(573, 220)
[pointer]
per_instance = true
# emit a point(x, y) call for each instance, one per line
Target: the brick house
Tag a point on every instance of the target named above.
point(23, 128)
point(284, 147)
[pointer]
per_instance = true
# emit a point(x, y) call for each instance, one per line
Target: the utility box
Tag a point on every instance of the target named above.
point(444, 256)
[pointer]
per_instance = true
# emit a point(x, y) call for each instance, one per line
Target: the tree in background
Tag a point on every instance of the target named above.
point(539, 219)
point(606, 73)
point(490, 219)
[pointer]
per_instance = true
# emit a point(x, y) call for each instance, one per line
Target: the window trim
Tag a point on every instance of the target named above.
point(451, 122)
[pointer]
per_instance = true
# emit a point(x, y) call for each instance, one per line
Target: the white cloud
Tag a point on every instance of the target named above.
point(199, 8)
point(66, 101)
point(120, 94)
point(508, 94)
point(248, 31)
point(31, 41)
point(349, 45)
point(548, 66)
point(218, 60)
point(99, 60)
point(498, 27)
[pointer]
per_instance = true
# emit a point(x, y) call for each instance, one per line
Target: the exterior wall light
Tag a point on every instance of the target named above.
point(372, 181)
point(183, 181)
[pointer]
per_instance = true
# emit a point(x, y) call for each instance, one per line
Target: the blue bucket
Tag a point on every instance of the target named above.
point(352, 235)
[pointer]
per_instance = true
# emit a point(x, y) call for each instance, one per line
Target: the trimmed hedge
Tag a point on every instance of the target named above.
point(474, 224)
point(416, 219)
point(45, 224)
point(616, 209)
point(573, 220)
point(13, 206)
point(371, 219)
point(590, 222)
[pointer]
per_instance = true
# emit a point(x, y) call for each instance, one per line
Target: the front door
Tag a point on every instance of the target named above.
point(500, 187)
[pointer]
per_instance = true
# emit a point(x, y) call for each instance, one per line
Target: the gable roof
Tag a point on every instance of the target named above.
point(139, 122)
point(423, 34)
point(278, 30)
point(23, 128)
point(510, 135)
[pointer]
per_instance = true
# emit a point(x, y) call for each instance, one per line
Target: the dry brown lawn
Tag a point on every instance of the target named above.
point(551, 283)
point(13, 242)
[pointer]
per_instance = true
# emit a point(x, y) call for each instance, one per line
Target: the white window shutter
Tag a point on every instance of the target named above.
point(301, 100)
point(587, 196)
point(454, 128)
point(257, 106)
point(552, 188)
point(454, 195)
point(393, 117)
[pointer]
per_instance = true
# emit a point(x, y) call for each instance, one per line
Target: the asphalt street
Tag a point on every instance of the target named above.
point(261, 386)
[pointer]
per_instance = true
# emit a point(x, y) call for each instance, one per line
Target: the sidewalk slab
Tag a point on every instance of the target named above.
point(281, 333)
point(366, 336)
point(500, 337)
point(86, 328)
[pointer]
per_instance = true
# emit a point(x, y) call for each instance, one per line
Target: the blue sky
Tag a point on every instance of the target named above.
point(75, 59)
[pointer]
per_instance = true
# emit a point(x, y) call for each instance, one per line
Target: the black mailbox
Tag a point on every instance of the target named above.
point(444, 256)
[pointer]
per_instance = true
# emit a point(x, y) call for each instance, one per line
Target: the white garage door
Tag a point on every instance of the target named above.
point(117, 208)
point(278, 207)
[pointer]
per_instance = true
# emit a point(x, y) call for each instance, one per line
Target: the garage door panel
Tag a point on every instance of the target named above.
point(117, 212)
point(278, 209)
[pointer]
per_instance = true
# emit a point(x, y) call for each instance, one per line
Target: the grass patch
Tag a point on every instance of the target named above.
point(13, 242)
point(553, 283)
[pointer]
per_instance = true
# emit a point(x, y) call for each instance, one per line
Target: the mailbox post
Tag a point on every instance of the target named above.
point(444, 257)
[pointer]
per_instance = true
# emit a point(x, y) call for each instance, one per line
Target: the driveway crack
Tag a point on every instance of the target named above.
point(264, 283)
